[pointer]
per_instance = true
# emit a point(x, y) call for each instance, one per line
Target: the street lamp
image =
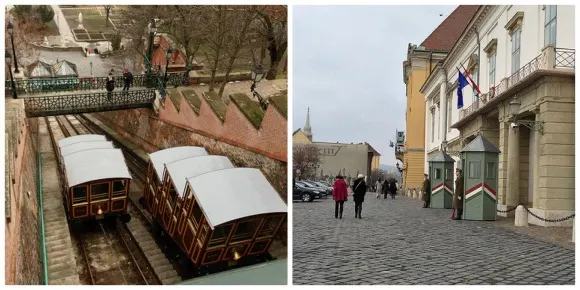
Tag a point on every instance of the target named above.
point(8, 60)
point(515, 105)
point(11, 32)
point(257, 75)
point(107, 10)
point(152, 32)
point(167, 58)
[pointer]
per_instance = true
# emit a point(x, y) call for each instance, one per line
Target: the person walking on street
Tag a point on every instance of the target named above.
point(393, 188)
point(386, 189)
point(340, 195)
point(110, 85)
point(458, 195)
point(379, 188)
point(127, 79)
point(426, 191)
point(359, 188)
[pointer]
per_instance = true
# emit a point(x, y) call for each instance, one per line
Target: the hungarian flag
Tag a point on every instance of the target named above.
point(473, 84)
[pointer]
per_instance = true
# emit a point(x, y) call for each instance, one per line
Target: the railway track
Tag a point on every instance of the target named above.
point(141, 221)
point(110, 254)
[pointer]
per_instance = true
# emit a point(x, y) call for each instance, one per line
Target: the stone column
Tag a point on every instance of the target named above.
point(513, 168)
point(536, 158)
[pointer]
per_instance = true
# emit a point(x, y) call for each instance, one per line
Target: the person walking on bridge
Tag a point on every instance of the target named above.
point(110, 85)
point(359, 188)
point(379, 188)
point(127, 79)
point(340, 195)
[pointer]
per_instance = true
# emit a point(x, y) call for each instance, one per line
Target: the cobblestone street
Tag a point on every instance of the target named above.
point(399, 242)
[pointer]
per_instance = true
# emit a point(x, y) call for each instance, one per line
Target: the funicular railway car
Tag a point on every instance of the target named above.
point(155, 168)
point(215, 213)
point(96, 181)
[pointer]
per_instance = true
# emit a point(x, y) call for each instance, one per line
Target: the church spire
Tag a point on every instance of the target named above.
point(307, 129)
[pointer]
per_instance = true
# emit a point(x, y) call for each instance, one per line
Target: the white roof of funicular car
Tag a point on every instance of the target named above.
point(169, 155)
point(80, 138)
point(184, 169)
point(89, 165)
point(230, 194)
point(81, 146)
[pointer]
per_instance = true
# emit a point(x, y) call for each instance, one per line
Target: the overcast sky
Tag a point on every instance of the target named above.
point(348, 68)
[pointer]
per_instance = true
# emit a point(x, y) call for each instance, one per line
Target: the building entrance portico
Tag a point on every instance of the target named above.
point(536, 166)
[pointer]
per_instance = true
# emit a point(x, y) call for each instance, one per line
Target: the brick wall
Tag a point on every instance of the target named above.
point(21, 233)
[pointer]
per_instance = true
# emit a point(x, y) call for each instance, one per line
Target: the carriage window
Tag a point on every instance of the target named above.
point(220, 235)
point(99, 191)
point(196, 215)
point(270, 226)
point(119, 187)
point(79, 194)
point(245, 230)
point(203, 234)
point(172, 195)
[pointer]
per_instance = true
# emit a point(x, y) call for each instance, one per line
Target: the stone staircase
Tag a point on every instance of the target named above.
point(61, 263)
point(161, 266)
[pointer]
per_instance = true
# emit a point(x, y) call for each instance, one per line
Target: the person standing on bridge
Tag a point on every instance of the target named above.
point(359, 188)
point(426, 191)
point(110, 85)
point(340, 195)
point(127, 79)
point(458, 196)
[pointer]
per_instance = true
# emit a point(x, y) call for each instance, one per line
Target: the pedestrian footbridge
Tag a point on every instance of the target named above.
point(38, 106)
point(60, 96)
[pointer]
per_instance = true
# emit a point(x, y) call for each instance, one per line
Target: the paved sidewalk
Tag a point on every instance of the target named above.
point(399, 242)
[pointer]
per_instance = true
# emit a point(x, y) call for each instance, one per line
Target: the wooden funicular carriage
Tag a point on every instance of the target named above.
point(214, 212)
point(94, 178)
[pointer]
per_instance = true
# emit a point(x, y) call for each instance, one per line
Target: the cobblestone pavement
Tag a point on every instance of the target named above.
point(399, 242)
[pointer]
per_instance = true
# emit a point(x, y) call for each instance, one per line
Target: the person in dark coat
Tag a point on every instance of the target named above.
point(340, 195)
point(393, 188)
point(127, 79)
point(458, 195)
point(386, 189)
point(110, 85)
point(426, 191)
point(359, 188)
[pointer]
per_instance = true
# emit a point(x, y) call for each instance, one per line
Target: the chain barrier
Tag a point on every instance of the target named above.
point(538, 217)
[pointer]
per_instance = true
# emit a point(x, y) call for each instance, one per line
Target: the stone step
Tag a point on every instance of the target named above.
point(159, 263)
point(59, 246)
point(66, 280)
point(60, 259)
point(171, 281)
point(57, 236)
point(165, 274)
point(56, 243)
point(148, 246)
point(164, 268)
point(54, 254)
point(66, 266)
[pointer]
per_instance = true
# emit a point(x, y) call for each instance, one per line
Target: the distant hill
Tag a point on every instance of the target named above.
point(386, 167)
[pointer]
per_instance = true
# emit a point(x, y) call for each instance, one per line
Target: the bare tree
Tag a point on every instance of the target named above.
point(377, 174)
point(307, 157)
point(25, 32)
point(275, 21)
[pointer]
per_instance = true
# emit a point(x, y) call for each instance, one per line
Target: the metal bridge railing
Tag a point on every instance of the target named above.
point(85, 103)
point(48, 85)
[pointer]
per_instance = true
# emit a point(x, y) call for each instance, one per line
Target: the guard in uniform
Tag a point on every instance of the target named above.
point(458, 195)
point(426, 191)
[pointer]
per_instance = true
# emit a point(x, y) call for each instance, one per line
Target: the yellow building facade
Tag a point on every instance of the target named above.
point(421, 60)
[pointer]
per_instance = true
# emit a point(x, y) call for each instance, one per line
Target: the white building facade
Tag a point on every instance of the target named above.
point(516, 54)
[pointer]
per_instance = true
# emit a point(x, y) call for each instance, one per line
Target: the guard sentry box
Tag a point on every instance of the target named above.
point(479, 160)
point(441, 177)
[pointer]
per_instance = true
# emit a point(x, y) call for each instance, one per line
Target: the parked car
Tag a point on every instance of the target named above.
point(306, 194)
point(322, 184)
point(323, 190)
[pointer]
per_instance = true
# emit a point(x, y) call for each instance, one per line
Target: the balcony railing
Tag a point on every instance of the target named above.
point(551, 58)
